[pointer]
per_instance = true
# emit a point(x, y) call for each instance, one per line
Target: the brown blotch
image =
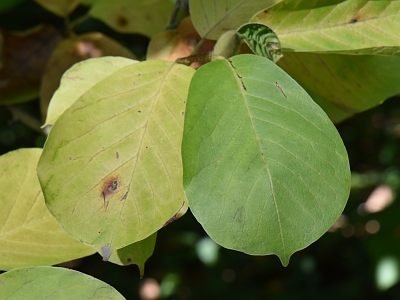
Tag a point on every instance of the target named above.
point(122, 21)
point(353, 21)
point(117, 155)
point(110, 186)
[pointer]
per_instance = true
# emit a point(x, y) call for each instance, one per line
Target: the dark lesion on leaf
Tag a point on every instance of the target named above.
point(240, 77)
point(176, 216)
point(122, 21)
point(109, 187)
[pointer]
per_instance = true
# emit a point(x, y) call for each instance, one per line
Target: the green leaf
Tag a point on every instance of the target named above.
point(265, 171)
point(39, 283)
point(146, 17)
point(61, 8)
point(136, 253)
point(336, 26)
point(262, 40)
point(80, 78)
point(29, 234)
point(111, 168)
point(344, 84)
point(212, 18)
point(73, 50)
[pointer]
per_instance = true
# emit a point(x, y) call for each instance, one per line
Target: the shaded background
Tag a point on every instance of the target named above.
point(358, 259)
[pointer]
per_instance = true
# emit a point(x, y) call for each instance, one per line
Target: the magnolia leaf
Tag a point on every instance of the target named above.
point(80, 78)
point(39, 283)
point(29, 234)
point(73, 50)
point(212, 18)
point(265, 171)
point(348, 27)
point(136, 253)
point(262, 40)
point(344, 85)
point(146, 17)
point(111, 168)
point(61, 8)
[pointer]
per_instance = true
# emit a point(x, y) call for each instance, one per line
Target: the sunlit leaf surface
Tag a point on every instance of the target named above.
point(29, 234)
point(111, 168)
point(352, 26)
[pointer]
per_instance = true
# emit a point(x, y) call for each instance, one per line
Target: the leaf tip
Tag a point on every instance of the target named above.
point(106, 252)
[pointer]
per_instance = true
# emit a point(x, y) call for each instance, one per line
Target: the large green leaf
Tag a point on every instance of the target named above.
point(211, 18)
point(38, 283)
point(265, 171)
point(336, 25)
point(136, 253)
point(111, 168)
point(146, 17)
point(29, 234)
point(345, 84)
point(80, 78)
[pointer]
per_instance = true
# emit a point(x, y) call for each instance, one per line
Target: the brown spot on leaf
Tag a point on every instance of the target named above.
point(109, 187)
point(122, 21)
point(353, 20)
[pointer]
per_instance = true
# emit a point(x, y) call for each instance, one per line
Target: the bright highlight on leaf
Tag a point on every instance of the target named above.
point(348, 27)
point(29, 234)
point(262, 40)
point(111, 168)
point(39, 283)
point(265, 171)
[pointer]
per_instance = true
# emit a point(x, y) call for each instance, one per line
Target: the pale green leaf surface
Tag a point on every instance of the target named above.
point(336, 26)
point(111, 168)
point(61, 8)
point(345, 84)
point(136, 253)
point(29, 234)
point(80, 78)
point(146, 17)
point(265, 171)
point(38, 283)
point(212, 18)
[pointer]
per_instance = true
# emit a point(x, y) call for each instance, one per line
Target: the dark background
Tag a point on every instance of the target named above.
point(340, 265)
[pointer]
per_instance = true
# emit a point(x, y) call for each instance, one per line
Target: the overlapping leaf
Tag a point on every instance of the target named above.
point(111, 169)
point(136, 253)
point(211, 18)
point(29, 234)
point(80, 78)
point(61, 8)
point(265, 171)
point(344, 85)
point(146, 17)
point(352, 26)
point(262, 40)
point(39, 283)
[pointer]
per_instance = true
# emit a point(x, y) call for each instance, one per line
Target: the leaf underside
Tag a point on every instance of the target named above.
point(265, 171)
